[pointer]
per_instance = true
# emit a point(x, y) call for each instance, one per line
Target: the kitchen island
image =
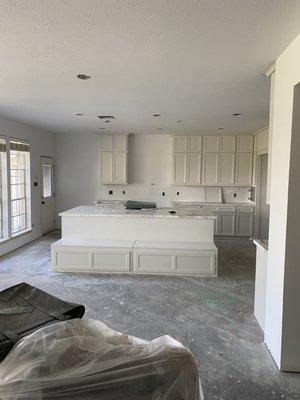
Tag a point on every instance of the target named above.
point(116, 240)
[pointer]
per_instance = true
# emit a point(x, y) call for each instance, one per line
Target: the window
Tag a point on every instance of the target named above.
point(19, 186)
point(3, 189)
point(47, 180)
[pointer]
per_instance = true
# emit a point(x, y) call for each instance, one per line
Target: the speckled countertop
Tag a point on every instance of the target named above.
point(96, 211)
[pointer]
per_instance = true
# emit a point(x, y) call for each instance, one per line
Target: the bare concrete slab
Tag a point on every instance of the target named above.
point(212, 316)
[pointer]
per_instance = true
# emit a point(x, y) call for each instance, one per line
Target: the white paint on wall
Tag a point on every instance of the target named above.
point(287, 75)
point(150, 173)
point(41, 143)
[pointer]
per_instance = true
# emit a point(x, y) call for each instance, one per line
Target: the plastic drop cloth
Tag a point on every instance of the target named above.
point(86, 360)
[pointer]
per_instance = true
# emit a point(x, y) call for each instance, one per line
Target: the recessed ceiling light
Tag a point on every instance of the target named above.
point(101, 128)
point(107, 121)
point(83, 76)
point(236, 114)
point(179, 121)
point(221, 129)
point(159, 129)
point(156, 115)
point(79, 114)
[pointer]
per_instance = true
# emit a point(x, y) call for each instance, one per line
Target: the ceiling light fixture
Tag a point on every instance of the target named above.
point(83, 76)
point(156, 115)
point(159, 129)
point(79, 114)
point(179, 121)
point(236, 114)
point(221, 129)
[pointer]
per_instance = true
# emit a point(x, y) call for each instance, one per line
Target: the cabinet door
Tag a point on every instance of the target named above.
point(261, 142)
point(244, 224)
point(180, 143)
point(210, 143)
point(179, 168)
point(210, 168)
point(106, 142)
point(226, 224)
point(244, 143)
point(120, 143)
point(227, 143)
point(194, 143)
point(226, 168)
point(119, 168)
point(194, 169)
point(106, 167)
point(243, 169)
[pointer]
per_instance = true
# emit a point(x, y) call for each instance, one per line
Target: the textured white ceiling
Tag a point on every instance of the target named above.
point(193, 60)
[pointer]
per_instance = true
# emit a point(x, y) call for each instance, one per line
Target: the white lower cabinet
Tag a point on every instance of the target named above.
point(244, 224)
point(226, 224)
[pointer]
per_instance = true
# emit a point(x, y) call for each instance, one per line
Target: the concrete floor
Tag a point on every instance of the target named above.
point(211, 316)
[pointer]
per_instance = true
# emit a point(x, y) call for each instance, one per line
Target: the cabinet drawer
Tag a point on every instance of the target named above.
point(225, 209)
point(246, 209)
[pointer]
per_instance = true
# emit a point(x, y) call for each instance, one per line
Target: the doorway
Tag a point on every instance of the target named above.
point(48, 203)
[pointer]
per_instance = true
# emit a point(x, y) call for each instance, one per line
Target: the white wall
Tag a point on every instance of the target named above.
point(287, 75)
point(150, 173)
point(41, 143)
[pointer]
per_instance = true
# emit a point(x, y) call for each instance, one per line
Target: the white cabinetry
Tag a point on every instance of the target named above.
point(113, 159)
point(243, 170)
point(210, 168)
point(226, 224)
point(213, 160)
point(226, 168)
point(244, 224)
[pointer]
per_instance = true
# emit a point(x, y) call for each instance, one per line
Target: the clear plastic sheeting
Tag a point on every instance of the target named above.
point(86, 360)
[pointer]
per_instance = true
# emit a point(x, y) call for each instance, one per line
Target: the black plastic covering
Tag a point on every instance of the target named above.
point(25, 308)
point(86, 360)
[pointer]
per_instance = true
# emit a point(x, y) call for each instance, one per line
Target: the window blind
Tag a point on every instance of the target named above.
point(19, 146)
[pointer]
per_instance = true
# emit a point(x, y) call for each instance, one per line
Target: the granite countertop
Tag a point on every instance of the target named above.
point(96, 211)
point(211, 203)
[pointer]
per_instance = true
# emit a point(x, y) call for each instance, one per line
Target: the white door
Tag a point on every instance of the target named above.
point(47, 183)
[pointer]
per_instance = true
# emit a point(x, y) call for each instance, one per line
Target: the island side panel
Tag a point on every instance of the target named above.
point(130, 228)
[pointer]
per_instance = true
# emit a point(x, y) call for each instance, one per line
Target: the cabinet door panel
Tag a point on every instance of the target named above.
point(180, 143)
point(119, 168)
point(194, 169)
point(106, 142)
point(119, 143)
point(244, 224)
point(106, 167)
point(244, 143)
point(179, 168)
point(210, 168)
point(226, 224)
point(227, 143)
point(226, 168)
point(211, 143)
point(243, 170)
point(194, 143)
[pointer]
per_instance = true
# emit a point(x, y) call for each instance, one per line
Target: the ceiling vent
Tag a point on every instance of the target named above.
point(106, 117)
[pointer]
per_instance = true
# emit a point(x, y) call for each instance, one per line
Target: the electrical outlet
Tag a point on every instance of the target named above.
point(163, 193)
point(177, 193)
point(124, 192)
point(234, 194)
point(110, 192)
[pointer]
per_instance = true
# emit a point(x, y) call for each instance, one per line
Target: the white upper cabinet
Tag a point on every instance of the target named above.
point(244, 144)
point(106, 142)
point(243, 170)
point(211, 143)
point(193, 169)
point(226, 168)
point(261, 142)
point(113, 159)
point(180, 168)
point(227, 143)
point(213, 160)
point(180, 143)
point(120, 142)
point(210, 168)
point(194, 143)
